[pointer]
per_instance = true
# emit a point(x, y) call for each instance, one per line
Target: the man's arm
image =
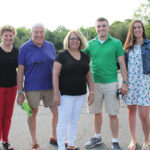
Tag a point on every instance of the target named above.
point(121, 60)
point(20, 79)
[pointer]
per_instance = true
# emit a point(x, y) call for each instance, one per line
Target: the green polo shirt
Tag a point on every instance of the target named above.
point(104, 58)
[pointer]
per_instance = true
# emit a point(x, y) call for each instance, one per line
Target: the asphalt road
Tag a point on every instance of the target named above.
point(20, 136)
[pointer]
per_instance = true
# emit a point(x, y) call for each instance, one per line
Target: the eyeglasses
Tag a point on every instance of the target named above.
point(72, 39)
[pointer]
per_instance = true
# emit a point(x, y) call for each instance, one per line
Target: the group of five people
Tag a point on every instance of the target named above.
point(61, 82)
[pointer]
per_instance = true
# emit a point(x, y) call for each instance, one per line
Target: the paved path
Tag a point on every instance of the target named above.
point(20, 138)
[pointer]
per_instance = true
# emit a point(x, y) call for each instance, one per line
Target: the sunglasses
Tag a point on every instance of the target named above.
point(119, 94)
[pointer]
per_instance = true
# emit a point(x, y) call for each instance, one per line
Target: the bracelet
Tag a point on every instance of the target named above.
point(92, 92)
point(20, 91)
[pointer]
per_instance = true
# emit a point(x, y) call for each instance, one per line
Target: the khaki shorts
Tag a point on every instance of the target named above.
point(105, 93)
point(34, 98)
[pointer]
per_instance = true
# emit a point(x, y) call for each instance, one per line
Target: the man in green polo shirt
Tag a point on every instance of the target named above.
point(105, 51)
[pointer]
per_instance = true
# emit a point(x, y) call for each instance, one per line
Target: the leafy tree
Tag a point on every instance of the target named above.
point(147, 30)
point(89, 33)
point(127, 22)
point(50, 36)
point(23, 35)
point(115, 23)
point(84, 31)
point(143, 12)
point(119, 30)
point(60, 34)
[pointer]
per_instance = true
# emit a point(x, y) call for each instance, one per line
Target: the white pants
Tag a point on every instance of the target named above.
point(68, 115)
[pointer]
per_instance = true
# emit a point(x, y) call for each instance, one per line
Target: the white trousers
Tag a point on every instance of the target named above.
point(68, 115)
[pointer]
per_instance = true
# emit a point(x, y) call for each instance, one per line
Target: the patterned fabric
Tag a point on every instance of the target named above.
point(139, 84)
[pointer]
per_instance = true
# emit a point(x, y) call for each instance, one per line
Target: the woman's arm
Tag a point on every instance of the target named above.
point(91, 87)
point(56, 72)
point(20, 79)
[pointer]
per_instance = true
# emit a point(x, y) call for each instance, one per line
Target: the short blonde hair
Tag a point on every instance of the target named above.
point(7, 28)
point(83, 41)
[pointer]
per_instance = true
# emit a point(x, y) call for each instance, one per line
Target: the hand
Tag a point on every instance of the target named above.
point(56, 100)
point(90, 98)
point(124, 88)
point(20, 98)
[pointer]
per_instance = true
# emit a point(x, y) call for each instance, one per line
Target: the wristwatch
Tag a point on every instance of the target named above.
point(125, 81)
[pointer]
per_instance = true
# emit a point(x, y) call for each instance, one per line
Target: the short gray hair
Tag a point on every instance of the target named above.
point(37, 25)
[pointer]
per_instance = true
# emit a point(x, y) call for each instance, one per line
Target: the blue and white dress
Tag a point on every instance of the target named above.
point(138, 83)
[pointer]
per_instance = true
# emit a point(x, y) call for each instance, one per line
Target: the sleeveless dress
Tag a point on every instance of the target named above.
point(138, 83)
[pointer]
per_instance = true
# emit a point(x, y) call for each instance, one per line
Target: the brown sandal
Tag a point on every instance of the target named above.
point(53, 141)
point(35, 147)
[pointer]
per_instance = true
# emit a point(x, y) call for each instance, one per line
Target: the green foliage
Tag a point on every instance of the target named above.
point(116, 23)
point(84, 31)
point(23, 35)
point(119, 30)
point(147, 30)
point(60, 34)
point(127, 22)
point(143, 12)
point(89, 33)
point(50, 36)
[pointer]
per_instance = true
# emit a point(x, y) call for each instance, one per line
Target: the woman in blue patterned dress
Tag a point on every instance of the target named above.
point(137, 53)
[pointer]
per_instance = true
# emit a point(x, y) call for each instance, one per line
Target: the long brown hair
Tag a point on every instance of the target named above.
point(130, 40)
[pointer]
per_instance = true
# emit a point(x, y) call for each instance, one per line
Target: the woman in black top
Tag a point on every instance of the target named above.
point(8, 83)
point(71, 74)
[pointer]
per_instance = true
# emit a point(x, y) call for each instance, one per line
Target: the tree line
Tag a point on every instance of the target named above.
point(118, 30)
